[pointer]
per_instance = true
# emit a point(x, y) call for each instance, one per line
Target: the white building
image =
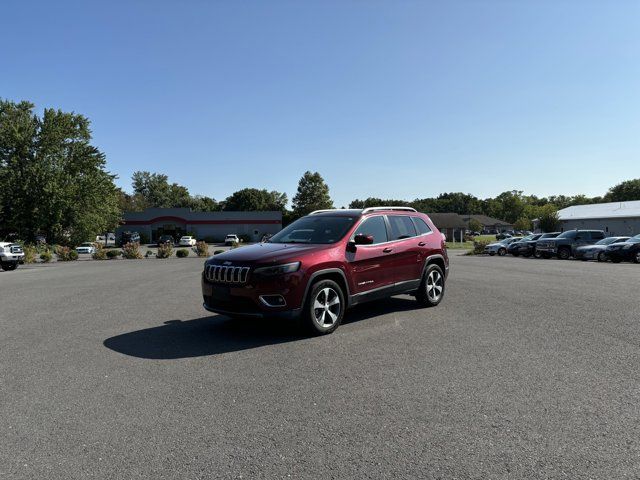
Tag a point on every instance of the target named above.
point(616, 218)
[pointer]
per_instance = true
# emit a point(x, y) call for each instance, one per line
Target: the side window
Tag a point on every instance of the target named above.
point(374, 226)
point(583, 236)
point(401, 227)
point(421, 225)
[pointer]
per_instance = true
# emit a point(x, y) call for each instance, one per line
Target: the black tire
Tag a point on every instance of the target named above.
point(320, 320)
point(602, 257)
point(636, 257)
point(432, 288)
point(564, 253)
point(537, 254)
point(9, 266)
point(502, 252)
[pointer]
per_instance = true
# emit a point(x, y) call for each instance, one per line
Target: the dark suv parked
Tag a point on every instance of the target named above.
point(565, 244)
point(129, 237)
point(328, 261)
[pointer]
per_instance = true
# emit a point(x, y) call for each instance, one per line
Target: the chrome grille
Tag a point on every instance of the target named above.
point(16, 249)
point(226, 274)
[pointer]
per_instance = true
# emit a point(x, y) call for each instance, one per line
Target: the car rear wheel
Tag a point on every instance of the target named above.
point(564, 253)
point(602, 257)
point(636, 257)
point(324, 308)
point(431, 289)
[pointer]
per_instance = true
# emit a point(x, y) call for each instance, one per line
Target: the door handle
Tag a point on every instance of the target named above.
point(421, 244)
point(388, 250)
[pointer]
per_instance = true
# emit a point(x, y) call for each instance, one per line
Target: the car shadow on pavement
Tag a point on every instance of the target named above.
point(204, 336)
point(217, 334)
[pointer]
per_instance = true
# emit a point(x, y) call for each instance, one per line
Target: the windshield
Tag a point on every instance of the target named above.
point(635, 239)
point(607, 241)
point(315, 229)
point(569, 234)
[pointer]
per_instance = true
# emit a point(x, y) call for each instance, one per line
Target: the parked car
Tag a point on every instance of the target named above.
point(544, 236)
point(166, 240)
point(86, 248)
point(231, 239)
point(41, 239)
point(565, 244)
point(325, 262)
point(129, 237)
point(523, 247)
point(500, 247)
point(628, 251)
point(503, 235)
point(187, 241)
point(597, 251)
point(11, 255)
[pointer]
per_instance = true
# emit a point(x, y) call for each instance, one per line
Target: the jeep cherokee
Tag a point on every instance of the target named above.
point(328, 261)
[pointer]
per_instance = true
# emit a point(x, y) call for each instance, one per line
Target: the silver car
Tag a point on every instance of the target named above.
point(500, 247)
point(597, 251)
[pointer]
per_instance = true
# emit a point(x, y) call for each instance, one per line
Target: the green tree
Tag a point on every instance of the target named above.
point(522, 223)
point(377, 202)
point(625, 191)
point(475, 225)
point(252, 199)
point(548, 218)
point(52, 180)
point(312, 194)
point(156, 191)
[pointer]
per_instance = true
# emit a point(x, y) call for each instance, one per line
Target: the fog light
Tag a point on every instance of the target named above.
point(273, 300)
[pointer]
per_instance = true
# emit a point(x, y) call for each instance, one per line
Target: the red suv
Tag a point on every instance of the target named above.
point(328, 261)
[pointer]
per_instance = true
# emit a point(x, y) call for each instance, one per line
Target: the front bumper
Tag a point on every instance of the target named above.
point(244, 299)
point(11, 257)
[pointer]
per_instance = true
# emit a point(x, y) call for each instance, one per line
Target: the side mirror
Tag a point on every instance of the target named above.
point(363, 239)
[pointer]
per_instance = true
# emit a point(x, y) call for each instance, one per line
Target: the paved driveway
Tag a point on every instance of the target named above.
point(528, 369)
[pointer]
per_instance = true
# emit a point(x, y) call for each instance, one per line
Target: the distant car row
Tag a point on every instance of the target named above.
point(184, 241)
point(579, 244)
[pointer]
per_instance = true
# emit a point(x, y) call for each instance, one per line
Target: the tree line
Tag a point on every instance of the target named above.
point(54, 182)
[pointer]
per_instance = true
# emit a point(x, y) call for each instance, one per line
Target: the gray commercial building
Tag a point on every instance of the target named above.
point(616, 218)
point(211, 226)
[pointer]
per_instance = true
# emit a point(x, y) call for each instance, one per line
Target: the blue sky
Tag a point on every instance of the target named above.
point(388, 99)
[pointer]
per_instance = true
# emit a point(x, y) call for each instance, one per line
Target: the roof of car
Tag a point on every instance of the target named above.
point(352, 212)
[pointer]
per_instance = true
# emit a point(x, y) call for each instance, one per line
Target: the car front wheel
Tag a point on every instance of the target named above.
point(636, 257)
point(564, 254)
point(502, 252)
point(602, 257)
point(324, 308)
point(431, 289)
point(9, 266)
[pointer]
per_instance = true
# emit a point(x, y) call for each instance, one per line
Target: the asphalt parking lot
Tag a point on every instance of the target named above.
point(528, 369)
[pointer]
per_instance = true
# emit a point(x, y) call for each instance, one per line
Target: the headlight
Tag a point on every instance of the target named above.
point(277, 269)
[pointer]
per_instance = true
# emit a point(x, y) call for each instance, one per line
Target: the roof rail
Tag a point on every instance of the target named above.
point(325, 210)
point(402, 209)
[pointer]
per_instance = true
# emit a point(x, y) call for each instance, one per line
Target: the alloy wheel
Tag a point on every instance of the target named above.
point(326, 307)
point(434, 286)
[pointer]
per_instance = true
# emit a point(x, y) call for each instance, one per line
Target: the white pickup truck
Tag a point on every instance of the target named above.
point(10, 255)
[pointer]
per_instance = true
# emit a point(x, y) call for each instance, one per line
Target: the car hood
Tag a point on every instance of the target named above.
point(617, 245)
point(267, 253)
point(496, 244)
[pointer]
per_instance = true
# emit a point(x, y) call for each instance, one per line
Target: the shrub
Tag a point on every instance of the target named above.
point(30, 253)
point(66, 254)
point(181, 253)
point(202, 249)
point(218, 251)
point(164, 251)
point(100, 253)
point(478, 247)
point(111, 254)
point(46, 256)
point(131, 251)
point(148, 254)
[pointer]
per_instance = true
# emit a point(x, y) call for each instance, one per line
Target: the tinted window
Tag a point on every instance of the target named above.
point(315, 229)
point(421, 225)
point(569, 234)
point(374, 226)
point(401, 227)
point(597, 235)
